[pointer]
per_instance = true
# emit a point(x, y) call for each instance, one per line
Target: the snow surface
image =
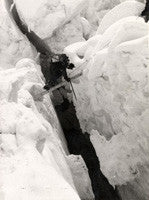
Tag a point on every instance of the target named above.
point(113, 97)
point(13, 46)
point(47, 17)
point(125, 9)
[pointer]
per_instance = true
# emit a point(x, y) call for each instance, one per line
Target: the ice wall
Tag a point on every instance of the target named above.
point(13, 45)
point(58, 21)
point(113, 97)
point(33, 161)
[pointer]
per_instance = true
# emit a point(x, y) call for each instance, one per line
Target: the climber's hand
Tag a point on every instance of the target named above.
point(67, 79)
point(46, 87)
point(70, 66)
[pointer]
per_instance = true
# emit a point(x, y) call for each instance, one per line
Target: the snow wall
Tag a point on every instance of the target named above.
point(113, 97)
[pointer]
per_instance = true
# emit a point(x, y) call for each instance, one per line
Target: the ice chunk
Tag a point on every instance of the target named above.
point(125, 9)
point(80, 177)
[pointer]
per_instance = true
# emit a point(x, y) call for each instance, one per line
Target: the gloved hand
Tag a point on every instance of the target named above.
point(67, 79)
point(70, 66)
point(46, 87)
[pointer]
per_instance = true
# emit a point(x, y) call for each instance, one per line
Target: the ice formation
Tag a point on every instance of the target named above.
point(59, 18)
point(33, 160)
point(13, 46)
point(113, 97)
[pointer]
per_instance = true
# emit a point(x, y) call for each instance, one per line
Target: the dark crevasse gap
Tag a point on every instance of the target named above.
point(80, 144)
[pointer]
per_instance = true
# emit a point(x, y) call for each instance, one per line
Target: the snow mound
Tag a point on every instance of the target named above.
point(26, 175)
point(125, 9)
point(120, 25)
point(47, 16)
point(33, 162)
point(96, 10)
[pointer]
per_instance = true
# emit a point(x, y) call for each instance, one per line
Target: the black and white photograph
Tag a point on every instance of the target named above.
point(74, 99)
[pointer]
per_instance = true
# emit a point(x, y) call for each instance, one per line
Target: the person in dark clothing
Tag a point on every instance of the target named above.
point(145, 12)
point(55, 70)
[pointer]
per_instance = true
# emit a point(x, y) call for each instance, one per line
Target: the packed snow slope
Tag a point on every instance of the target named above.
point(113, 97)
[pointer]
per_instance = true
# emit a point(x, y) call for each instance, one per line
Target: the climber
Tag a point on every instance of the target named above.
point(145, 12)
point(54, 71)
